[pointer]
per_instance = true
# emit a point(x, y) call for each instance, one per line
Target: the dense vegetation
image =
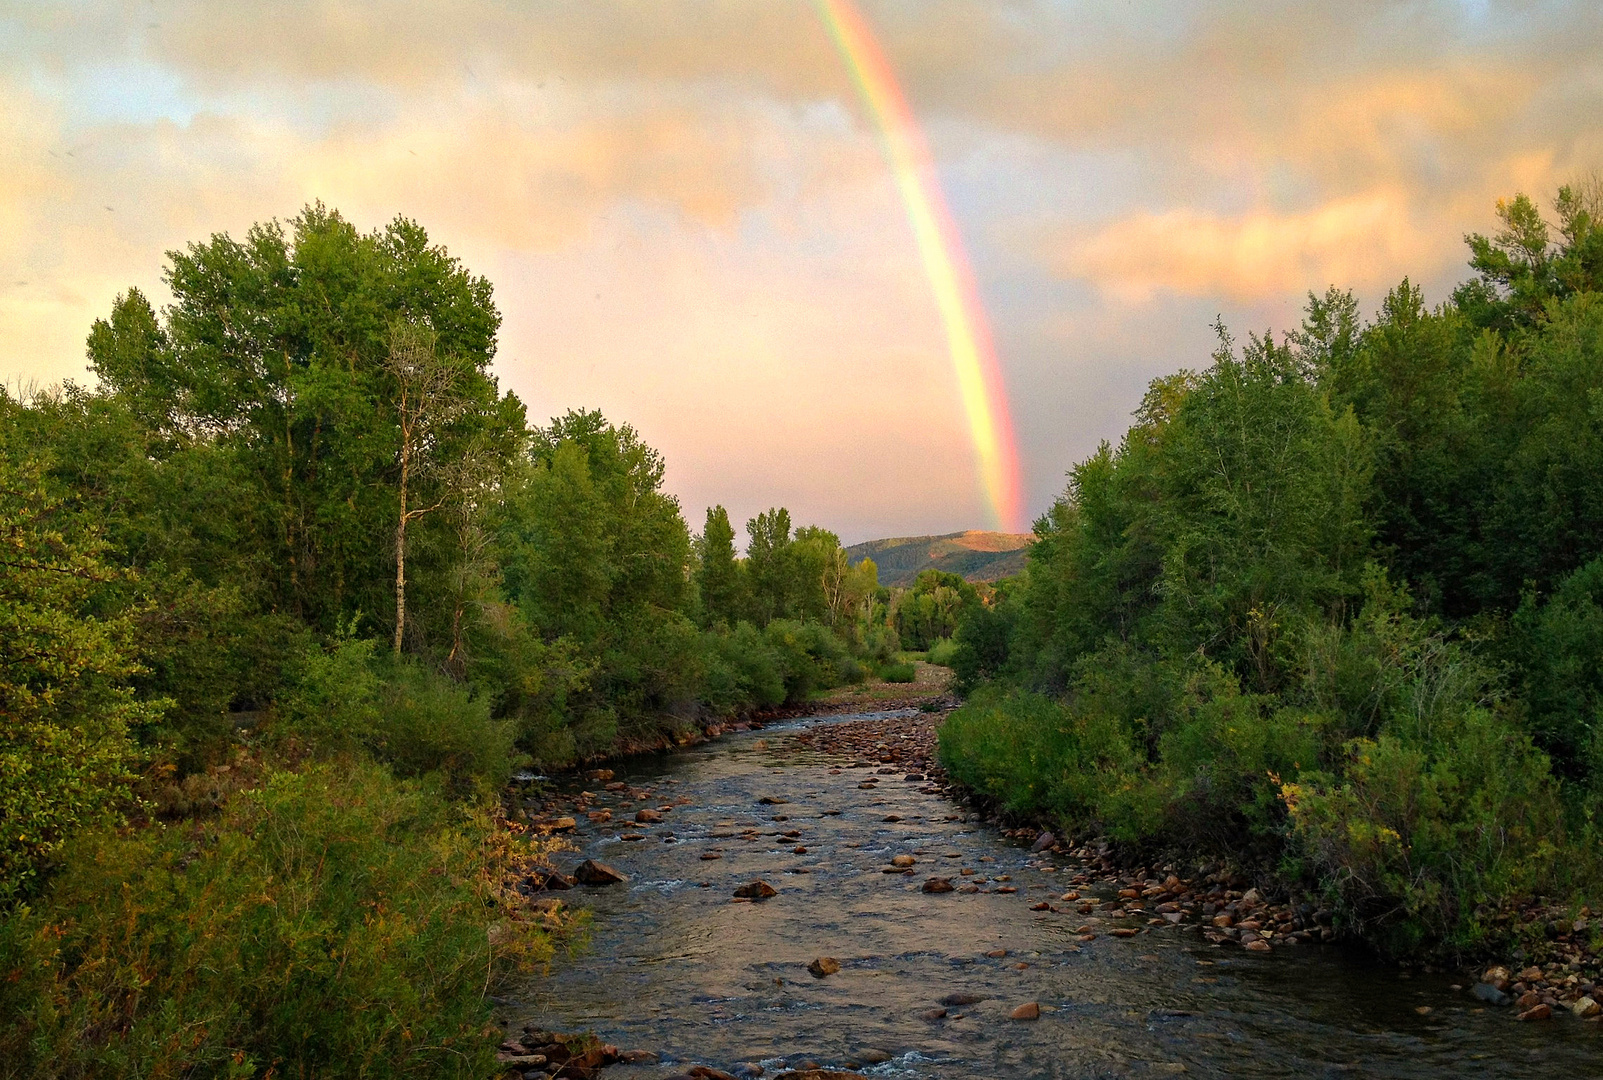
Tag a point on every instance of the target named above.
point(1333, 608)
point(284, 602)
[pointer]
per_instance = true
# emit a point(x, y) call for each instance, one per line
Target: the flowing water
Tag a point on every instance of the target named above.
point(674, 966)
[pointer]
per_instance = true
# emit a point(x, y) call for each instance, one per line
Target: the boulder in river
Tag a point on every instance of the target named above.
point(1028, 1011)
point(648, 816)
point(1044, 841)
point(820, 1074)
point(903, 860)
point(962, 999)
point(938, 885)
point(1490, 994)
point(824, 966)
point(756, 890)
point(543, 878)
point(591, 872)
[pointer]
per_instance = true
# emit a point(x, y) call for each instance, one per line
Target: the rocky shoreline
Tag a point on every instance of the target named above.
point(1224, 906)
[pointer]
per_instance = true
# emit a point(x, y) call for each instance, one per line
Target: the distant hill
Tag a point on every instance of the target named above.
point(976, 555)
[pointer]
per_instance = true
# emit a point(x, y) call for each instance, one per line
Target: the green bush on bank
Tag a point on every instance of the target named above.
point(333, 922)
point(900, 672)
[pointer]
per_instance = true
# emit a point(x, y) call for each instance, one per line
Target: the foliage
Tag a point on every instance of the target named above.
point(941, 652)
point(1334, 604)
point(898, 673)
point(65, 703)
point(331, 923)
point(931, 609)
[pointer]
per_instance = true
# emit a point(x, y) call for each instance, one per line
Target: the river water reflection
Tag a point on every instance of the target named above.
point(675, 967)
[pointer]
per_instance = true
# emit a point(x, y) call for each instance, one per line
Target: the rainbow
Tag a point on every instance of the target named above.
point(968, 335)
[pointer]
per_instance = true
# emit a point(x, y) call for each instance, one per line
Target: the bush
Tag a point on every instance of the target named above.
point(900, 672)
point(427, 723)
point(941, 652)
point(1559, 649)
point(333, 923)
point(810, 657)
point(742, 671)
point(65, 706)
point(1034, 755)
point(1413, 837)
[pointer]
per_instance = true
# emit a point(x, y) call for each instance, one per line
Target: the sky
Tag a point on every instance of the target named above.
point(690, 224)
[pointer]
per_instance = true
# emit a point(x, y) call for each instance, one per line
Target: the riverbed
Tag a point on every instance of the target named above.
point(927, 983)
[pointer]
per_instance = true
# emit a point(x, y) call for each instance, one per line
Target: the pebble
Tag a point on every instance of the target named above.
point(1028, 1011)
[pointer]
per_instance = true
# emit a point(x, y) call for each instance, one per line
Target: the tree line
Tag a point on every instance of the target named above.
point(285, 599)
point(1332, 609)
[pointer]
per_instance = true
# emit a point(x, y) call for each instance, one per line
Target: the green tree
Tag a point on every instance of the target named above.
point(274, 350)
point(770, 566)
point(720, 578)
point(65, 704)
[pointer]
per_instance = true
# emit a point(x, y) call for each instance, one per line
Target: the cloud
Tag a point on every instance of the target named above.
point(688, 220)
point(1352, 242)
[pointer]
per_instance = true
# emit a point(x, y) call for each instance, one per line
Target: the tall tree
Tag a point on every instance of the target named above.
point(719, 576)
point(769, 564)
point(426, 401)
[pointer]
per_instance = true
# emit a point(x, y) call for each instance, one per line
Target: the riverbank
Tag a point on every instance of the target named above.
point(847, 819)
point(1562, 975)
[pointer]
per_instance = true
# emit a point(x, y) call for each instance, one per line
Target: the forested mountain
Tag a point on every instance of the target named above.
point(973, 555)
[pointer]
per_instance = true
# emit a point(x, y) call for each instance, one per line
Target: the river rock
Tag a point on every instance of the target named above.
point(938, 885)
point(637, 1057)
point(824, 966)
point(933, 1015)
point(1256, 945)
point(820, 1074)
point(1543, 1011)
point(773, 800)
point(1044, 841)
point(1586, 1008)
point(648, 816)
point(756, 890)
point(1498, 977)
point(710, 855)
point(1028, 1011)
point(521, 1061)
point(962, 999)
point(903, 861)
point(1490, 994)
point(595, 873)
point(707, 1072)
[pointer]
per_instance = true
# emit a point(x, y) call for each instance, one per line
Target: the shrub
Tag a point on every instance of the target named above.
point(427, 723)
point(1036, 756)
point(1414, 836)
point(901, 672)
point(742, 671)
point(810, 657)
point(942, 651)
point(333, 923)
point(65, 754)
point(1559, 649)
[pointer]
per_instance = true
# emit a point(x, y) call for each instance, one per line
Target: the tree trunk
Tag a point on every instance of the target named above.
point(400, 553)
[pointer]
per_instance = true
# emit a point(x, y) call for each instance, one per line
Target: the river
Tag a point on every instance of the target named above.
point(674, 966)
